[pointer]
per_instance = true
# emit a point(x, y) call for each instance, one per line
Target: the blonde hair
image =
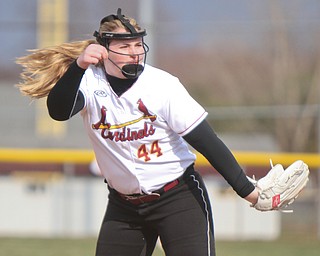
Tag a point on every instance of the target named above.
point(42, 68)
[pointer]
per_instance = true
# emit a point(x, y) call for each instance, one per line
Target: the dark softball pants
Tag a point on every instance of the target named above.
point(181, 217)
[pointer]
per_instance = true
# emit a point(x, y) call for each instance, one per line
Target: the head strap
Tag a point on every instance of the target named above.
point(126, 22)
point(133, 33)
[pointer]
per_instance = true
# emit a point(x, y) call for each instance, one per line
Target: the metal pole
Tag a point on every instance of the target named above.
point(146, 20)
point(318, 172)
point(52, 29)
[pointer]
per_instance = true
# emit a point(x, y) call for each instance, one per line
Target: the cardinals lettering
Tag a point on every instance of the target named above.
point(126, 134)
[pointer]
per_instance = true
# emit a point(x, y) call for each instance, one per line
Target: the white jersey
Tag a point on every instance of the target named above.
point(137, 136)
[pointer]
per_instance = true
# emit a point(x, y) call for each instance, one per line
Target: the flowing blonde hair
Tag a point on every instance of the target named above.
point(42, 68)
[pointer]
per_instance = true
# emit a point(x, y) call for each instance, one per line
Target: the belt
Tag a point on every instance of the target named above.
point(146, 198)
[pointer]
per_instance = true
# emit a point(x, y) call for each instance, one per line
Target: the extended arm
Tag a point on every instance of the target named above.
point(205, 141)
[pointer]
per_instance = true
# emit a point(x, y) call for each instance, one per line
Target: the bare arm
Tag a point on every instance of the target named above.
point(253, 196)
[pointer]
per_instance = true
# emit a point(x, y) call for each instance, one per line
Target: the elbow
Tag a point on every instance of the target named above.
point(55, 111)
point(57, 117)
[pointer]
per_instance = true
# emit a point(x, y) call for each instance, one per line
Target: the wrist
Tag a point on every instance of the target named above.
point(253, 196)
point(81, 65)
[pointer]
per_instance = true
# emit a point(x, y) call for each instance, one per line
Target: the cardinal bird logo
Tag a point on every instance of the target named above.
point(103, 124)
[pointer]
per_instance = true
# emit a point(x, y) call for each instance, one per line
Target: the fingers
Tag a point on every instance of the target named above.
point(99, 52)
point(93, 54)
point(104, 53)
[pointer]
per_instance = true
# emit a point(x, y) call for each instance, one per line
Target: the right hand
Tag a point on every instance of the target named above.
point(93, 54)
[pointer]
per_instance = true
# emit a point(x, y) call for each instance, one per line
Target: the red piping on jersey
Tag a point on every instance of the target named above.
point(191, 124)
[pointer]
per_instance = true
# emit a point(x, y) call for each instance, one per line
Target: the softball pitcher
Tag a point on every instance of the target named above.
point(139, 120)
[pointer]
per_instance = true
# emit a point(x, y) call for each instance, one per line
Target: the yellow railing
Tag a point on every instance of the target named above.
point(84, 156)
point(263, 158)
point(19, 155)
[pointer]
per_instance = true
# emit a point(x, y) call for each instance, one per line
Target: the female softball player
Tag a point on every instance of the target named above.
point(138, 119)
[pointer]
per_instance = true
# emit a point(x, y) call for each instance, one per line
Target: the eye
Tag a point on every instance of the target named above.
point(123, 46)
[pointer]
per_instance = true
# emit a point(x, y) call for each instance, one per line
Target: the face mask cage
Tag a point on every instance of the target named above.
point(128, 70)
point(145, 50)
point(132, 70)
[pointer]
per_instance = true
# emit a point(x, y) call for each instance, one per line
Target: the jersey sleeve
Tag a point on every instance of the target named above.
point(87, 83)
point(92, 81)
point(84, 91)
point(183, 113)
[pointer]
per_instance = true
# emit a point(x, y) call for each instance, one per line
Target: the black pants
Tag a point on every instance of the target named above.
point(181, 217)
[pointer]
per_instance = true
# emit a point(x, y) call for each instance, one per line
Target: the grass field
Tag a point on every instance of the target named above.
point(289, 246)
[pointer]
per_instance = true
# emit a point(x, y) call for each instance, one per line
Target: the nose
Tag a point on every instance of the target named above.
point(133, 51)
point(137, 49)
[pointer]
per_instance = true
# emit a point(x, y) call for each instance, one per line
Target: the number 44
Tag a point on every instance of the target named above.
point(143, 152)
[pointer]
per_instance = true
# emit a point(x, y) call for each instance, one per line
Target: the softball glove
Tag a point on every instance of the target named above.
point(279, 188)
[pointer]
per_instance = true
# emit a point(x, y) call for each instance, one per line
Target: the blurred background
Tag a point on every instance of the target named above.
point(253, 64)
